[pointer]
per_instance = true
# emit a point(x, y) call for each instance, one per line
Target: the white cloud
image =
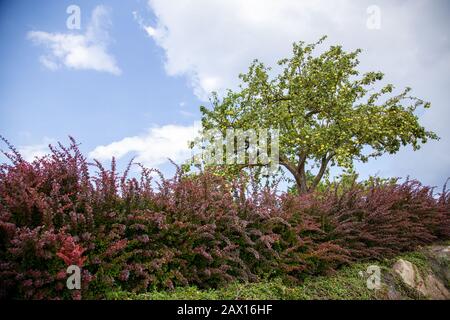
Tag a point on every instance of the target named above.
point(151, 32)
point(48, 63)
point(153, 148)
point(187, 113)
point(30, 152)
point(211, 41)
point(86, 51)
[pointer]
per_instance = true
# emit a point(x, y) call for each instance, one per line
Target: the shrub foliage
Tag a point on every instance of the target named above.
point(147, 233)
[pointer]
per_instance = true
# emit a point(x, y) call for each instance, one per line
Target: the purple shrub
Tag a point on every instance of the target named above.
point(189, 230)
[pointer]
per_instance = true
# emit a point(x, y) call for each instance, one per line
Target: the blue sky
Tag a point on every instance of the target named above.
point(130, 81)
point(95, 107)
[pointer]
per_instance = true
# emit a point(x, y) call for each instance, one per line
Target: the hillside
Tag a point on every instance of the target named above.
point(422, 274)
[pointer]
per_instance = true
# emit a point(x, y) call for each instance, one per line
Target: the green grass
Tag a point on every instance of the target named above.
point(347, 283)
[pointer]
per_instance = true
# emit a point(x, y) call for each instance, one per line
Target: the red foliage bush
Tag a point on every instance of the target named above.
point(382, 220)
point(197, 230)
point(71, 253)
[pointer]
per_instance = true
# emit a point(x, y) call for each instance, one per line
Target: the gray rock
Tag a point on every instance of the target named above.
point(428, 284)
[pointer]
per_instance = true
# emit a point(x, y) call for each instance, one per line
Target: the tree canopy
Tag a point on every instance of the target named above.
point(326, 111)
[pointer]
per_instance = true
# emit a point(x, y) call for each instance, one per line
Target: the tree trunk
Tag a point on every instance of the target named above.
point(298, 173)
point(300, 180)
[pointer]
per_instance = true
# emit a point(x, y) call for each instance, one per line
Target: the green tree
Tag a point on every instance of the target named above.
point(327, 112)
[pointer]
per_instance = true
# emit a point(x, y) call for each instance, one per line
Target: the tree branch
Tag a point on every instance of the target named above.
point(323, 167)
point(297, 172)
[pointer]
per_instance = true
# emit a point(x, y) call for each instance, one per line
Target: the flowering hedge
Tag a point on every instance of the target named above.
point(138, 234)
